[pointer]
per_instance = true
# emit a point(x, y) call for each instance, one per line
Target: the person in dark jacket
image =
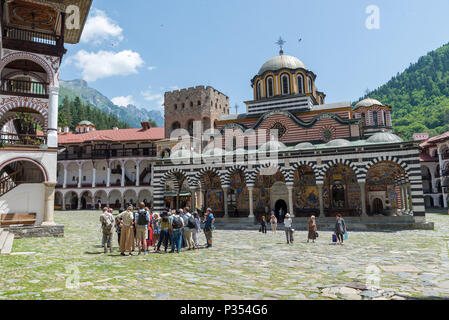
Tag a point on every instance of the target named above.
point(263, 225)
point(340, 229)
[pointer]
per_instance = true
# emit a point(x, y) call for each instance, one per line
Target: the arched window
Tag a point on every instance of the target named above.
point(175, 126)
point(385, 118)
point(285, 80)
point(300, 80)
point(375, 118)
point(270, 87)
point(258, 91)
point(309, 85)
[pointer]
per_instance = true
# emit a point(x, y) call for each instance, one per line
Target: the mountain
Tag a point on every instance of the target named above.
point(131, 114)
point(419, 96)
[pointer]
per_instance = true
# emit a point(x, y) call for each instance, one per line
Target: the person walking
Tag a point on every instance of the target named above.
point(127, 234)
point(288, 228)
point(312, 229)
point(340, 229)
point(263, 225)
point(209, 227)
point(281, 215)
point(273, 222)
point(107, 223)
point(196, 230)
point(142, 218)
point(177, 227)
point(165, 223)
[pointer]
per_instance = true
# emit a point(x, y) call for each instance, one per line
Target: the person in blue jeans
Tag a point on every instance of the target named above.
point(177, 227)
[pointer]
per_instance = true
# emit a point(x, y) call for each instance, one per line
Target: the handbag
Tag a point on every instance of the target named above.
point(334, 238)
point(346, 236)
point(316, 234)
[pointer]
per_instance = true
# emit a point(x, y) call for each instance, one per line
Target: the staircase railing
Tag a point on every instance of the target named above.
point(9, 183)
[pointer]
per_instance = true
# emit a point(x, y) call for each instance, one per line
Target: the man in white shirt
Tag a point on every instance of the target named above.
point(288, 228)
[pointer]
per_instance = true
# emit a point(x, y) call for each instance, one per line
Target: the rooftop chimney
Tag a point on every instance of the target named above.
point(114, 128)
point(145, 125)
point(66, 129)
point(59, 129)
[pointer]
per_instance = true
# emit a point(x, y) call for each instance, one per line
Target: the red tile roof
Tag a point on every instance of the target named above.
point(121, 135)
point(436, 139)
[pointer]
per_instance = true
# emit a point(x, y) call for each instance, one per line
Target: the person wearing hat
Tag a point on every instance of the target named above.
point(312, 228)
point(288, 228)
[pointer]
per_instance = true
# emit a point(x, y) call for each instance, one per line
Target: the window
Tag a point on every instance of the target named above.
point(191, 104)
point(258, 87)
point(300, 84)
point(285, 84)
point(385, 118)
point(375, 118)
point(270, 89)
point(309, 85)
point(199, 103)
point(176, 107)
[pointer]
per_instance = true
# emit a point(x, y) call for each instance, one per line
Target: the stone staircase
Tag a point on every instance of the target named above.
point(6, 241)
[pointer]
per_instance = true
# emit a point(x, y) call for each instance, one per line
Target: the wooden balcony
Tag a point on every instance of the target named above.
point(24, 88)
point(7, 140)
point(33, 41)
point(108, 154)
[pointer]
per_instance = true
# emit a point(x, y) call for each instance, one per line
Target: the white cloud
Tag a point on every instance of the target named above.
point(151, 68)
point(100, 27)
point(157, 98)
point(123, 101)
point(104, 64)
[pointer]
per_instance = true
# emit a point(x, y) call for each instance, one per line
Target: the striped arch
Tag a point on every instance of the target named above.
point(324, 168)
point(364, 170)
point(31, 57)
point(30, 103)
point(285, 172)
point(300, 164)
point(227, 176)
point(197, 178)
point(170, 176)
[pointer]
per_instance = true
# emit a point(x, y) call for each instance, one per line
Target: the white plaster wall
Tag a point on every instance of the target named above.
point(130, 170)
point(102, 175)
point(47, 159)
point(88, 173)
point(72, 171)
point(26, 198)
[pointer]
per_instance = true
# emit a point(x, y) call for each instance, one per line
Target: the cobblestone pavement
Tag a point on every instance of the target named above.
point(242, 265)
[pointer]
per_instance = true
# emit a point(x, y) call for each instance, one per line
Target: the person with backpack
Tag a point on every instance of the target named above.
point(127, 234)
point(209, 227)
point(340, 229)
point(165, 223)
point(107, 224)
point(177, 227)
point(189, 226)
point(141, 220)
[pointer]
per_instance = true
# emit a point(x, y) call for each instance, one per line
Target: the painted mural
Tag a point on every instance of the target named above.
point(238, 194)
point(305, 191)
point(341, 190)
point(214, 193)
point(262, 190)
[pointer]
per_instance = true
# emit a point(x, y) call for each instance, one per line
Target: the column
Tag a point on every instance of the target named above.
point(193, 190)
point(80, 174)
point(123, 174)
point(290, 200)
point(403, 198)
point(108, 179)
point(137, 173)
point(363, 198)
point(320, 197)
point(94, 174)
point(63, 202)
point(52, 130)
point(225, 200)
point(49, 208)
point(65, 176)
point(440, 158)
point(409, 191)
point(251, 202)
point(79, 202)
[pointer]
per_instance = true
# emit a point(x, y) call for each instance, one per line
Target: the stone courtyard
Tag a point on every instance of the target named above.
point(242, 265)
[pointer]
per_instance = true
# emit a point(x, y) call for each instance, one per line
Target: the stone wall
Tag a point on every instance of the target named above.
point(198, 104)
point(37, 232)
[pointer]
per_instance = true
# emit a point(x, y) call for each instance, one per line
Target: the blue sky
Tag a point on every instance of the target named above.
point(134, 51)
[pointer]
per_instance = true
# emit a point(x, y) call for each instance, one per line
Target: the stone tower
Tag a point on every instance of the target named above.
point(183, 107)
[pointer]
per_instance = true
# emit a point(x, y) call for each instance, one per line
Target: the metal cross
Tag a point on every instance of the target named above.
point(281, 43)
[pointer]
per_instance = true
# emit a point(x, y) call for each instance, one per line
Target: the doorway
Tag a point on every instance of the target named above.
point(378, 207)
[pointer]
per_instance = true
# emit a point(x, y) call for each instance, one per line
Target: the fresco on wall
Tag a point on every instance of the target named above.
point(341, 189)
point(305, 191)
point(262, 190)
point(214, 200)
point(239, 192)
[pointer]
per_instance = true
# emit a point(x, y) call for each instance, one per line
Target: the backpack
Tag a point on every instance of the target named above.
point(177, 224)
point(107, 224)
point(191, 223)
point(142, 218)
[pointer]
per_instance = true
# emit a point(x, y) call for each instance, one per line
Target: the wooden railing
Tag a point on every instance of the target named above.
point(8, 183)
point(106, 154)
point(48, 39)
point(24, 88)
point(21, 139)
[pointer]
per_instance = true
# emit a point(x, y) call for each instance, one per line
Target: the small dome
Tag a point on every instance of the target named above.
point(384, 137)
point(86, 123)
point(304, 145)
point(338, 143)
point(272, 146)
point(368, 102)
point(282, 62)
